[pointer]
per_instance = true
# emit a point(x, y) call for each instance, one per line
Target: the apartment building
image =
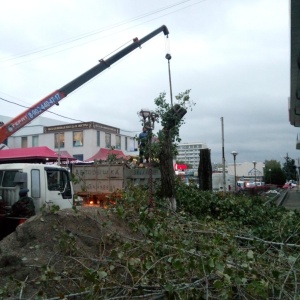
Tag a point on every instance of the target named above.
point(190, 153)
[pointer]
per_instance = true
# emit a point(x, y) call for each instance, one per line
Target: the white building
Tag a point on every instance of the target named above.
point(190, 153)
point(246, 171)
point(218, 183)
point(81, 140)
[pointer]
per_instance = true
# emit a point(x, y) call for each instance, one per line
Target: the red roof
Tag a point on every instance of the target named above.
point(33, 153)
point(103, 153)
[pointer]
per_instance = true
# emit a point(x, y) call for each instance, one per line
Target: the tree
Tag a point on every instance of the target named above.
point(289, 168)
point(171, 118)
point(273, 173)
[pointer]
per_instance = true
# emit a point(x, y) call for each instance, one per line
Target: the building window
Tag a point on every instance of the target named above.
point(59, 140)
point(24, 142)
point(126, 143)
point(78, 138)
point(107, 140)
point(35, 140)
point(78, 156)
point(98, 138)
point(118, 142)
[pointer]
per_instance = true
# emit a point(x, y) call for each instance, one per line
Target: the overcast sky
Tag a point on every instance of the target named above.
point(234, 55)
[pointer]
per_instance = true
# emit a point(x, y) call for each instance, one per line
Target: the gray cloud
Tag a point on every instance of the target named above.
point(233, 55)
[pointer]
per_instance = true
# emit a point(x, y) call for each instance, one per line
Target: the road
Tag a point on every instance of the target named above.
point(292, 199)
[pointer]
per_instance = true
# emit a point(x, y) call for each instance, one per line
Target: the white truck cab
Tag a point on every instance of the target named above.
point(47, 184)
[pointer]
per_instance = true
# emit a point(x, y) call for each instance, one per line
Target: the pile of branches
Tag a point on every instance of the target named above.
point(184, 255)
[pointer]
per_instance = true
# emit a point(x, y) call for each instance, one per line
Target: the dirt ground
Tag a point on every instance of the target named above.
point(51, 244)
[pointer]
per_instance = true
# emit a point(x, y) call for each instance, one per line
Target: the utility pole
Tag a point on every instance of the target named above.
point(58, 161)
point(223, 156)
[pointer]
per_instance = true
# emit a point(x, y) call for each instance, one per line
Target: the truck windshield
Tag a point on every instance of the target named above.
point(59, 180)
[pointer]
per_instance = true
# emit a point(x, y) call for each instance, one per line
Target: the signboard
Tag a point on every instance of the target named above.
point(81, 126)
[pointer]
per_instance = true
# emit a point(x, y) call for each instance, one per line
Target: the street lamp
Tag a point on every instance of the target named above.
point(234, 153)
point(149, 118)
point(254, 164)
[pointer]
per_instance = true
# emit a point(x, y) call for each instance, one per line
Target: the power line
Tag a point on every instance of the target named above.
point(48, 111)
point(93, 33)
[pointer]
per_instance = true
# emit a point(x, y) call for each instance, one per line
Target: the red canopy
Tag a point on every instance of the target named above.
point(65, 155)
point(103, 153)
point(33, 154)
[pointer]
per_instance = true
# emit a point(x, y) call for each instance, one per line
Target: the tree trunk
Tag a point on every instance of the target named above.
point(205, 171)
point(167, 171)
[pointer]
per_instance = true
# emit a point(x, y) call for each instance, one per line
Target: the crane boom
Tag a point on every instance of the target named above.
point(43, 105)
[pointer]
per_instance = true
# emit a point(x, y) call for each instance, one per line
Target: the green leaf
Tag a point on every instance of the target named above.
point(211, 262)
point(227, 278)
point(292, 259)
point(220, 267)
point(170, 259)
point(102, 274)
point(134, 261)
point(177, 264)
point(250, 254)
point(148, 265)
point(218, 284)
point(57, 278)
point(111, 267)
point(43, 277)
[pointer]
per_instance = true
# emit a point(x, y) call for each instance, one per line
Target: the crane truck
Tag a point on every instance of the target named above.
point(36, 178)
point(37, 109)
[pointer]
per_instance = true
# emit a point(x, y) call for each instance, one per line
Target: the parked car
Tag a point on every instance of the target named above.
point(294, 183)
point(289, 185)
point(251, 184)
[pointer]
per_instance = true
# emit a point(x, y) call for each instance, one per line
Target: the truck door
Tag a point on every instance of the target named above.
point(59, 188)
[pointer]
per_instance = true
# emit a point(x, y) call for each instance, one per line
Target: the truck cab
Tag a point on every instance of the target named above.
point(47, 184)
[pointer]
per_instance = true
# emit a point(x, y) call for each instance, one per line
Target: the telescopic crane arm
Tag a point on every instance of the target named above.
point(43, 105)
